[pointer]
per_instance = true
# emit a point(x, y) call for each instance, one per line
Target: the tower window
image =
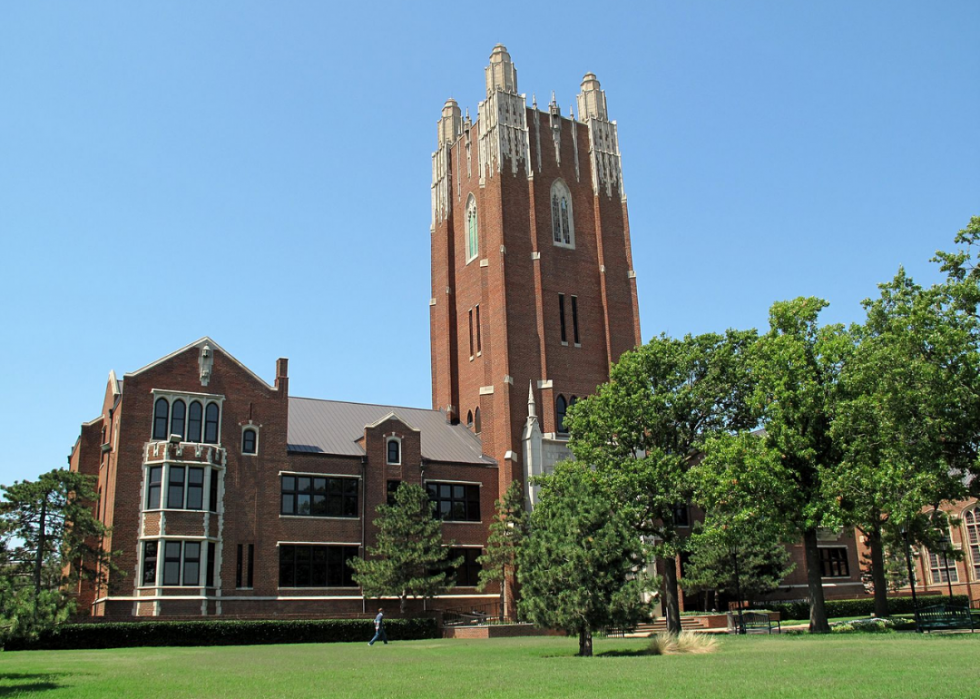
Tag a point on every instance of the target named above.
point(561, 407)
point(469, 418)
point(194, 421)
point(211, 414)
point(472, 236)
point(471, 333)
point(476, 421)
point(575, 319)
point(562, 220)
point(479, 348)
point(177, 412)
point(561, 318)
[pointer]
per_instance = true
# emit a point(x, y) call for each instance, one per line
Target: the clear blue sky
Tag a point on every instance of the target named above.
point(259, 173)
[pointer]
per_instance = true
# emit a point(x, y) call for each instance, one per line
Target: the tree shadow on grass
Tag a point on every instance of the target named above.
point(623, 653)
point(18, 683)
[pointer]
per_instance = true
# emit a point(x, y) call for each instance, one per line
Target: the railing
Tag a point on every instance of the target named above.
point(474, 615)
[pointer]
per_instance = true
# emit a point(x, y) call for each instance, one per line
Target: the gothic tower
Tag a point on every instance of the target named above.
point(532, 273)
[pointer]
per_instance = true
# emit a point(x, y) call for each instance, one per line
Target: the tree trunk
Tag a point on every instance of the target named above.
point(402, 602)
point(671, 607)
point(878, 572)
point(585, 643)
point(39, 558)
point(818, 612)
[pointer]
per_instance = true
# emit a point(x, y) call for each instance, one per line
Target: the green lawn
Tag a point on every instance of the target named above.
point(893, 665)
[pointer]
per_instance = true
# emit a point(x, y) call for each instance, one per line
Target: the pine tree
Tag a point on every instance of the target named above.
point(408, 558)
point(507, 532)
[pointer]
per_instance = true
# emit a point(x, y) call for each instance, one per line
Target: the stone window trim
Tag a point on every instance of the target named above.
point(157, 482)
point(254, 429)
point(393, 450)
point(472, 231)
point(164, 427)
point(207, 554)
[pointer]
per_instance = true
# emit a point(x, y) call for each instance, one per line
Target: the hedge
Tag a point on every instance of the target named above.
point(223, 633)
point(800, 609)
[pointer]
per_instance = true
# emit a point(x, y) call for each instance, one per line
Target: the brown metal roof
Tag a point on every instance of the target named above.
point(332, 427)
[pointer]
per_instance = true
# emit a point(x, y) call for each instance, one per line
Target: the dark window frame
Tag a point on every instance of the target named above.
point(154, 487)
point(454, 502)
point(561, 317)
point(316, 565)
point(833, 562)
point(195, 421)
point(395, 444)
point(212, 423)
point(575, 336)
point(161, 419)
point(177, 424)
point(315, 495)
point(468, 573)
point(151, 550)
point(250, 446)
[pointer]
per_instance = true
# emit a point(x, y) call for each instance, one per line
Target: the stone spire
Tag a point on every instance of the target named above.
point(501, 74)
point(530, 400)
point(592, 100)
point(451, 123)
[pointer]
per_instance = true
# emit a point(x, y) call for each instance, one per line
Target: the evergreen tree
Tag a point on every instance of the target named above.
point(507, 532)
point(579, 566)
point(49, 538)
point(408, 558)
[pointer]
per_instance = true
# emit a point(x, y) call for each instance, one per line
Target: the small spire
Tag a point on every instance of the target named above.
point(530, 399)
point(534, 101)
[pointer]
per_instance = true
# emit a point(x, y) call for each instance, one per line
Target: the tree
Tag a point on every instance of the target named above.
point(797, 367)
point(908, 421)
point(408, 558)
point(644, 429)
point(49, 537)
point(739, 548)
point(579, 568)
point(507, 532)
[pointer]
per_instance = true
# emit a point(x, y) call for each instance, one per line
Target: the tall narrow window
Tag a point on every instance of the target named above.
point(471, 333)
point(209, 571)
point(211, 414)
point(251, 564)
point(248, 440)
point(575, 319)
point(562, 220)
point(213, 491)
point(561, 407)
point(479, 347)
point(177, 413)
point(194, 420)
point(472, 235)
point(171, 563)
point(175, 488)
point(942, 568)
point(192, 563)
point(394, 451)
point(561, 317)
point(161, 411)
point(150, 563)
point(240, 565)
point(153, 484)
point(971, 519)
point(195, 488)
point(469, 418)
point(476, 421)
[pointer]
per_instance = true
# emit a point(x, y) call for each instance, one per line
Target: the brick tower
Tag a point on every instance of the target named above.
point(533, 289)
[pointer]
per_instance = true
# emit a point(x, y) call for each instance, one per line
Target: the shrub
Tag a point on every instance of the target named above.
point(223, 633)
point(664, 643)
point(864, 626)
point(800, 609)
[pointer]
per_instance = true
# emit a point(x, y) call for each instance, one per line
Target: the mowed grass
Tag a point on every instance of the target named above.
point(893, 665)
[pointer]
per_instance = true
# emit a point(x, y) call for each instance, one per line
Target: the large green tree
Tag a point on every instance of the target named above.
point(49, 538)
point(908, 421)
point(507, 532)
point(579, 567)
point(644, 429)
point(408, 558)
point(797, 367)
point(739, 549)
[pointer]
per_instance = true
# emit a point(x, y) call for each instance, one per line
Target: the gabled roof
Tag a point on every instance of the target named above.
point(333, 427)
point(198, 344)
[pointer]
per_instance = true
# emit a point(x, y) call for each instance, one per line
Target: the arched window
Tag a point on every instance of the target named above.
point(249, 440)
point(194, 420)
point(469, 418)
point(942, 567)
point(971, 521)
point(394, 451)
point(562, 220)
point(476, 421)
point(161, 413)
point(177, 412)
point(472, 234)
point(211, 415)
point(561, 406)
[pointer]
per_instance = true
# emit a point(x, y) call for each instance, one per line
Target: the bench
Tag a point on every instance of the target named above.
point(753, 622)
point(944, 617)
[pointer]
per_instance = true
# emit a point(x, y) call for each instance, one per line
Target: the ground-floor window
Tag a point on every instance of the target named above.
point(468, 572)
point(181, 563)
point(302, 565)
point(833, 562)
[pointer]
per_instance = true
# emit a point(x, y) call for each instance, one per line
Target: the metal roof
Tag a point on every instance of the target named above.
point(332, 427)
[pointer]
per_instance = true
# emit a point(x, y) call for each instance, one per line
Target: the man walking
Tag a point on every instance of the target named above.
point(379, 628)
